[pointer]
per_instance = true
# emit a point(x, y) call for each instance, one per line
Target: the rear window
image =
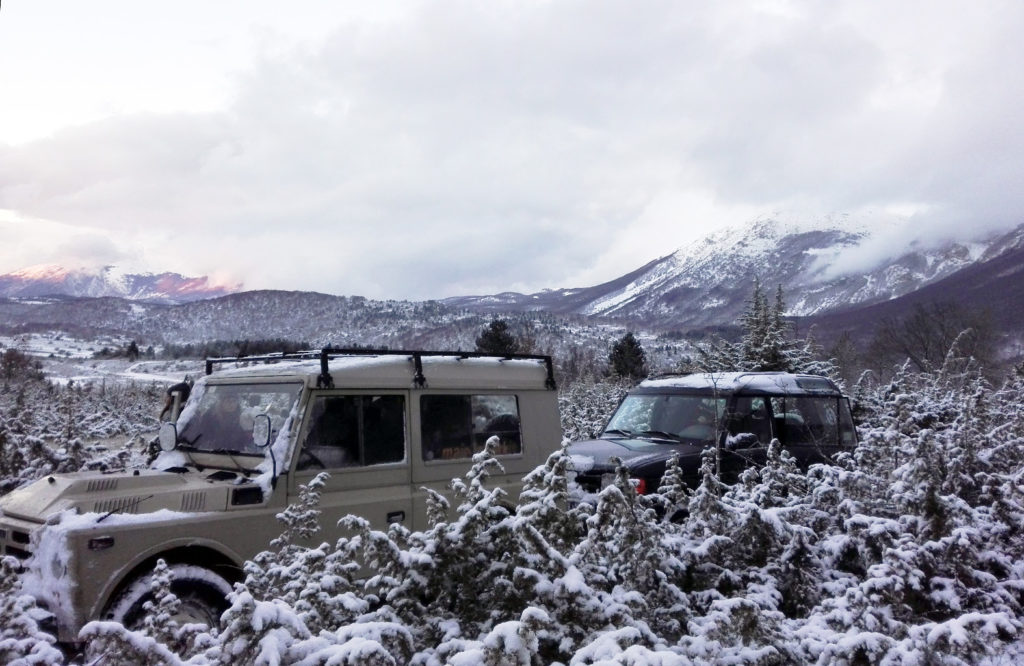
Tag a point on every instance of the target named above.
point(455, 427)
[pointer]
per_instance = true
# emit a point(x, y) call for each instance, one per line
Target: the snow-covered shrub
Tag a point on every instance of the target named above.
point(22, 640)
point(111, 643)
point(586, 406)
point(908, 550)
point(47, 428)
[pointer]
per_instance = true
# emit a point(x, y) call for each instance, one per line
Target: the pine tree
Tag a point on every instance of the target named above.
point(497, 339)
point(628, 359)
point(766, 344)
point(266, 578)
point(159, 621)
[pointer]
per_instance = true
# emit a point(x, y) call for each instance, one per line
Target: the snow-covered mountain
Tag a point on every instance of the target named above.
point(822, 266)
point(51, 280)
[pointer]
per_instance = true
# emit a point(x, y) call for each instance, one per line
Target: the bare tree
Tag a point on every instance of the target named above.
point(926, 334)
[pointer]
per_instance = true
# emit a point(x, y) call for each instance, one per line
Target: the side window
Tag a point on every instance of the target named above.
point(457, 426)
point(354, 431)
point(748, 423)
point(807, 420)
point(822, 418)
point(847, 431)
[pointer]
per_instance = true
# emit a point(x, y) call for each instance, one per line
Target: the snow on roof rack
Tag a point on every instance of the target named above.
point(326, 381)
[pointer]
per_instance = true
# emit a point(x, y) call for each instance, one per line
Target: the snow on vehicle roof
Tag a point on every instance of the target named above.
point(395, 370)
point(760, 382)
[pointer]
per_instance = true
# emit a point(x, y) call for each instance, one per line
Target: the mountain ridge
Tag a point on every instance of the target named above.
point(708, 282)
point(46, 280)
point(702, 285)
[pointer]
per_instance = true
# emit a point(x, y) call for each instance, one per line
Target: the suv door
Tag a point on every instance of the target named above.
point(748, 430)
point(361, 440)
point(812, 428)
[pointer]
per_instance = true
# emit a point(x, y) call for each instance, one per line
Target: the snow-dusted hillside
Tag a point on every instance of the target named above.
point(822, 265)
point(49, 280)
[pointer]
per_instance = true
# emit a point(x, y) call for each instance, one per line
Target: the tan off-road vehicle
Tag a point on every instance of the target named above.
point(384, 425)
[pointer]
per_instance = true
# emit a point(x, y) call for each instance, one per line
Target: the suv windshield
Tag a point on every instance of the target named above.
point(687, 418)
point(223, 419)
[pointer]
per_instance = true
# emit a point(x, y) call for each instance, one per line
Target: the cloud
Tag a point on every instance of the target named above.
point(92, 250)
point(464, 147)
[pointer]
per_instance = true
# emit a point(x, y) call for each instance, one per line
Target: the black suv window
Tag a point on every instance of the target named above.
point(817, 421)
point(353, 431)
point(672, 417)
point(748, 423)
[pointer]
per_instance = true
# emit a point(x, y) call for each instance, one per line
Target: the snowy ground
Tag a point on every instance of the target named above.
point(72, 359)
point(59, 345)
point(121, 370)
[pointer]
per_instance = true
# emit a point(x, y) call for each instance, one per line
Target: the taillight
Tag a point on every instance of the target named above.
point(640, 485)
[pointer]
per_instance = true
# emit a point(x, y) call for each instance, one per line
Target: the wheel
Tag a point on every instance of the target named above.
point(203, 595)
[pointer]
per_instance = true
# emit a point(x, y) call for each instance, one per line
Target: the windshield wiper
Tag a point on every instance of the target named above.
point(238, 467)
point(659, 434)
point(232, 452)
point(616, 431)
point(124, 507)
point(184, 446)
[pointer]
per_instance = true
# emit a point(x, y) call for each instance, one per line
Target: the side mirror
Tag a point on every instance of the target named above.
point(168, 436)
point(261, 431)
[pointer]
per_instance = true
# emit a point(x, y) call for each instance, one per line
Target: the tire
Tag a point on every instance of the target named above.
point(203, 595)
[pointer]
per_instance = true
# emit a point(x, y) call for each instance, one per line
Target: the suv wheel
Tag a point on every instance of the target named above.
point(202, 593)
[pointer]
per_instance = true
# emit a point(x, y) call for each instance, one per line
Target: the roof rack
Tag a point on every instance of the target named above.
point(324, 380)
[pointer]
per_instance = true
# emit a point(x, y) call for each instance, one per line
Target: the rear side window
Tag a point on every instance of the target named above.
point(457, 426)
point(354, 431)
point(823, 421)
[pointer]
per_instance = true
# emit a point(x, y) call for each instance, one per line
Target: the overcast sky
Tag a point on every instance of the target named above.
point(430, 149)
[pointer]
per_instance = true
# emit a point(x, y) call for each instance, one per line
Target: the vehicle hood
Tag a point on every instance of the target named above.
point(137, 492)
point(596, 454)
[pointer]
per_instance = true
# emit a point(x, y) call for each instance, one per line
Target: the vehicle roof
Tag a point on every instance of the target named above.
point(393, 370)
point(745, 382)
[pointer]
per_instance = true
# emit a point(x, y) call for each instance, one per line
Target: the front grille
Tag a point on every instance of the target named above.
point(590, 483)
point(15, 540)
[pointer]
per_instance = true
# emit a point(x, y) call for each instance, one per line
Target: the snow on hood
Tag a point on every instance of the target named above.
point(132, 493)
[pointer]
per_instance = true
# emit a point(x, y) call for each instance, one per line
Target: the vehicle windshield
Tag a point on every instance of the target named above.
point(692, 419)
point(223, 419)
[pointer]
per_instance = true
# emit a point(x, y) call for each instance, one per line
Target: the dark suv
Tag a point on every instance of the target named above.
point(740, 412)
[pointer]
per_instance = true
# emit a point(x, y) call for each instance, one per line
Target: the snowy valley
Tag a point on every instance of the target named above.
point(906, 550)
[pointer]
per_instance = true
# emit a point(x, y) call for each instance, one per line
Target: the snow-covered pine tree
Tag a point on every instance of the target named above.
point(159, 618)
point(546, 504)
point(267, 577)
point(765, 344)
